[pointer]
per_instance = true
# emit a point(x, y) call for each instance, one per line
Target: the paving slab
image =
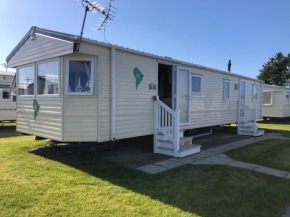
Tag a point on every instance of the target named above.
point(203, 162)
point(169, 164)
point(288, 176)
point(152, 169)
point(216, 150)
point(271, 171)
point(185, 160)
point(223, 156)
point(244, 165)
point(287, 213)
point(210, 152)
point(218, 160)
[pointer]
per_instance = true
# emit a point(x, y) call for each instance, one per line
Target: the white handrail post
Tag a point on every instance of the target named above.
point(176, 133)
point(239, 116)
point(255, 120)
point(155, 123)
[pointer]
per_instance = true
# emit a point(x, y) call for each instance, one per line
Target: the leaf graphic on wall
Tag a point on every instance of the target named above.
point(139, 76)
point(36, 108)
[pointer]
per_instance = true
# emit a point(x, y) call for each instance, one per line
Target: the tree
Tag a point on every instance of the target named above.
point(276, 71)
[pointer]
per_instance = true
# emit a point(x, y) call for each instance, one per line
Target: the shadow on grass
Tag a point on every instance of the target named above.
point(8, 131)
point(200, 190)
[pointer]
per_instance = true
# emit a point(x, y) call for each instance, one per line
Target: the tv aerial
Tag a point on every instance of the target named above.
point(97, 8)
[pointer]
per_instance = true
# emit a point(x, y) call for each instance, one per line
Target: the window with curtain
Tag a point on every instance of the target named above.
point(226, 89)
point(48, 78)
point(80, 77)
point(287, 98)
point(195, 84)
point(26, 81)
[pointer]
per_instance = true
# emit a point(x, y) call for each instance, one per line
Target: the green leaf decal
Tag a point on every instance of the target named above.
point(36, 108)
point(139, 76)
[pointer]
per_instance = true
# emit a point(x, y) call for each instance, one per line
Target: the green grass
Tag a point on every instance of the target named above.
point(47, 182)
point(270, 153)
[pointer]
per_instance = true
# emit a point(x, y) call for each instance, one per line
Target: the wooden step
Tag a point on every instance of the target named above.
point(165, 144)
point(259, 133)
point(188, 150)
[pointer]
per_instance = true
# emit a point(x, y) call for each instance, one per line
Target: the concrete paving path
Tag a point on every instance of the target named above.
point(215, 156)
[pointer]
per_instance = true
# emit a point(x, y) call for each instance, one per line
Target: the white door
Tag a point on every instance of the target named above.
point(183, 94)
point(242, 97)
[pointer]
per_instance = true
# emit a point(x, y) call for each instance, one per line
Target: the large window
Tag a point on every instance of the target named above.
point(226, 89)
point(48, 78)
point(79, 77)
point(195, 84)
point(287, 98)
point(255, 92)
point(26, 81)
point(267, 98)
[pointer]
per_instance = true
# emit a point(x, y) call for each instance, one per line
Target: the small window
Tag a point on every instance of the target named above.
point(267, 98)
point(195, 84)
point(226, 89)
point(255, 92)
point(48, 78)
point(79, 77)
point(287, 98)
point(6, 95)
point(26, 81)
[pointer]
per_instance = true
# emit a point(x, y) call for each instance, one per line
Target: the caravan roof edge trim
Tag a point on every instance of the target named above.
point(75, 39)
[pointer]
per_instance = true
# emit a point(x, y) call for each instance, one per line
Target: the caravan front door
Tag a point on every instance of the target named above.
point(183, 94)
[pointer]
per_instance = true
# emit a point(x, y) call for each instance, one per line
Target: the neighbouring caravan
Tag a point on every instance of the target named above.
point(7, 104)
point(276, 102)
point(94, 92)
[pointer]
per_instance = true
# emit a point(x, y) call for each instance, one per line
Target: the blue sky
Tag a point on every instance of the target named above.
point(204, 32)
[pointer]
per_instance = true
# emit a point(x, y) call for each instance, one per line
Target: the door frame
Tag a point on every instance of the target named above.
point(239, 112)
point(189, 92)
point(172, 80)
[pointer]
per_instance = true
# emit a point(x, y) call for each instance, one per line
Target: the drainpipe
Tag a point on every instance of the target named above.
point(113, 94)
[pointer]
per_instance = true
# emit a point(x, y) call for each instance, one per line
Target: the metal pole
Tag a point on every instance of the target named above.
point(86, 11)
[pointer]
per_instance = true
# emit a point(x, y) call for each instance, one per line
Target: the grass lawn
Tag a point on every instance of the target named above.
point(49, 182)
point(271, 153)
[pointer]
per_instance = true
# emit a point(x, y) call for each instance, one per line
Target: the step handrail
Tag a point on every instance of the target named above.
point(249, 115)
point(166, 121)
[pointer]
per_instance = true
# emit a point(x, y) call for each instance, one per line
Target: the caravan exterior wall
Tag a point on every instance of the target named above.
point(7, 106)
point(276, 101)
point(72, 117)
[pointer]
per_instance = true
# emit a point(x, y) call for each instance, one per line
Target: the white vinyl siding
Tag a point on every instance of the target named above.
point(48, 123)
point(39, 49)
point(134, 107)
point(279, 106)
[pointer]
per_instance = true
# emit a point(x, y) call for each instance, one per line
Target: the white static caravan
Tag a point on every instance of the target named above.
point(103, 92)
point(276, 102)
point(7, 102)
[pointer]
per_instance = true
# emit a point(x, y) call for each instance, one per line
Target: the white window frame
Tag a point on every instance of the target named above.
point(1, 95)
point(92, 90)
point(255, 86)
point(36, 75)
point(287, 103)
point(271, 99)
point(198, 76)
point(227, 81)
point(17, 73)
